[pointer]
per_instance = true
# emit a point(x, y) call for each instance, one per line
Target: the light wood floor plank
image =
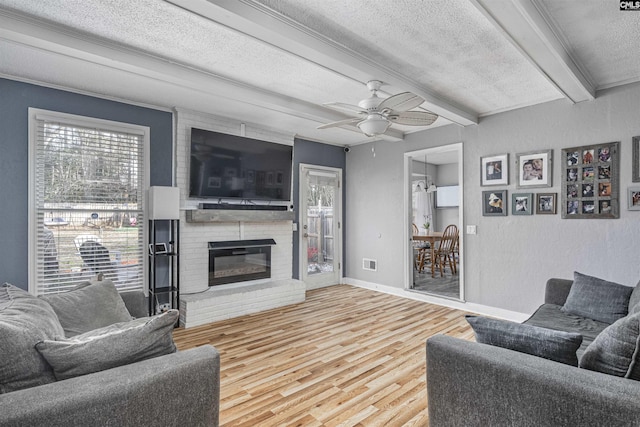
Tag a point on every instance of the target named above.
point(345, 357)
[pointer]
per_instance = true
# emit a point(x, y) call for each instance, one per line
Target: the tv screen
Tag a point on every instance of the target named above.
point(233, 167)
point(447, 196)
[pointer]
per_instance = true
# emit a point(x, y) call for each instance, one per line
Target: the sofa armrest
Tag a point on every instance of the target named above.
point(471, 384)
point(177, 389)
point(557, 291)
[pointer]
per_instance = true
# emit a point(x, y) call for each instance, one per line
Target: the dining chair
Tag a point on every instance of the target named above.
point(455, 253)
point(444, 251)
point(423, 250)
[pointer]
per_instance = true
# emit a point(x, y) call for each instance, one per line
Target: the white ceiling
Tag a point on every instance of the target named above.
point(274, 63)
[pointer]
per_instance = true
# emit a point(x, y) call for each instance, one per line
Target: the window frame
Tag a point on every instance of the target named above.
point(36, 114)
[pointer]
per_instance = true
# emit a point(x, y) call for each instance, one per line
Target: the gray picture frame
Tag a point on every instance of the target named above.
point(490, 201)
point(544, 160)
point(635, 144)
point(633, 198)
point(488, 168)
point(521, 203)
point(546, 203)
point(591, 181)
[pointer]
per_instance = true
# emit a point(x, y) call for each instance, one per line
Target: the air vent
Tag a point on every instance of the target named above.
point(369, 264)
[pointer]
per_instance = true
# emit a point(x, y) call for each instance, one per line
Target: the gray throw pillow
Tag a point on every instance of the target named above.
point(89, 306)
point(111, 346)
point(554, 345)
point(615, 351)
point(597, 299)
point(634, 300)
point(24, 320)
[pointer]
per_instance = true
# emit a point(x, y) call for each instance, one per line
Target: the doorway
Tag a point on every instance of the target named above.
point(321, 228)
point(434, 221)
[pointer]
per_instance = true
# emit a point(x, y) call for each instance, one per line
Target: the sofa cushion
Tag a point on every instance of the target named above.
point(616, 350)
point(24, 320)
point(114, 345)
point(551, 316)
point(550, 344)
point(597, 299)
point(88, 306)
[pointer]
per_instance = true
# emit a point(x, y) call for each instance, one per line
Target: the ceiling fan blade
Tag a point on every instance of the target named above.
point(338, 123)
point(340, 106)
point(401, 102)
point(413, 118)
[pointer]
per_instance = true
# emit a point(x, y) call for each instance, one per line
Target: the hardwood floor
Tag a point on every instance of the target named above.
point(345, 357)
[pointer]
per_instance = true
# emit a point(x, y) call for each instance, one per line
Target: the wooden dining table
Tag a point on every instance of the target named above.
point(432, 238)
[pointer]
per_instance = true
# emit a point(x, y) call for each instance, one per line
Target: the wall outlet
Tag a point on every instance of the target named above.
point(471, 229)
point(369, 264)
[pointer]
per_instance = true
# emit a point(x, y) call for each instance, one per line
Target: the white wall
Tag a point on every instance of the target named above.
point(508, 262)
point(447, 175)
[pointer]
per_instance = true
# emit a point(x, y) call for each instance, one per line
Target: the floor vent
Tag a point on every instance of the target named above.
point(369, 264)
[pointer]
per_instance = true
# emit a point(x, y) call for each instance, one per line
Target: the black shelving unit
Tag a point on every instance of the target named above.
point(164, 268)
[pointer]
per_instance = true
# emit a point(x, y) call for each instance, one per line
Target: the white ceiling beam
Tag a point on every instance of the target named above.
point(526, 24)
point(36, 34)
point(29, 32)
point(263, 24)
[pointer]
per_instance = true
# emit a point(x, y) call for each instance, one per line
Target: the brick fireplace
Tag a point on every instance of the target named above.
point(201, 303)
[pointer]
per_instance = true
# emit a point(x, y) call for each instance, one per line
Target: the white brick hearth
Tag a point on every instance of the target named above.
point(199, 303)
point(220, 303)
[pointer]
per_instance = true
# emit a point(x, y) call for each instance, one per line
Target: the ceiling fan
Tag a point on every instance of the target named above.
point(377, 114)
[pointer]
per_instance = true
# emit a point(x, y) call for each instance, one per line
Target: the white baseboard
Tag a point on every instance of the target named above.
point(484, 310)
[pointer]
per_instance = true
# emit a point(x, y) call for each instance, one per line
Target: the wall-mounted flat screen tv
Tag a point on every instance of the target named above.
point(233, 167)
point(447, 196)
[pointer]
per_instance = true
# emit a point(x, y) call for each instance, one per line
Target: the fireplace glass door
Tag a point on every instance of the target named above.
point(238, 264)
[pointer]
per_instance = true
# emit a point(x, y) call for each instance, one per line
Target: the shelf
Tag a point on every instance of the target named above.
point(167, 293)
point(224, 215)
point(164, 290)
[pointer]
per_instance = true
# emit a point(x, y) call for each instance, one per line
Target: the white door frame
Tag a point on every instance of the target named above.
point(302, 256)
point(408, 248)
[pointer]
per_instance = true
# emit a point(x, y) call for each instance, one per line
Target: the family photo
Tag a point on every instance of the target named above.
point(535, 169)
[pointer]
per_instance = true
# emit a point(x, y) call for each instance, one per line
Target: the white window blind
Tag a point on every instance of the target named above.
point(87, 184)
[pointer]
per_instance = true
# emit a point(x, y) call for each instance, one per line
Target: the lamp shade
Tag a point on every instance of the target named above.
point(374, 125)
point(164, 203)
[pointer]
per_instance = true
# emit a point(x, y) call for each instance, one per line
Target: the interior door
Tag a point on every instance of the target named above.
point(321, 228)
point(439, 170)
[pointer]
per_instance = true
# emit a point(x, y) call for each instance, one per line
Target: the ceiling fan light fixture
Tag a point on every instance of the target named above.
point(374, 125)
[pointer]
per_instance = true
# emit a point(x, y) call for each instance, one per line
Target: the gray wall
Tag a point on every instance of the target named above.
point(447, 175)
point(314, 153)
point(509, 260)
point(15, 99)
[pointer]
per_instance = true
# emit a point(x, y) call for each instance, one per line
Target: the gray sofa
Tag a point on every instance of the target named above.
point(175, 389)
point(473, 384)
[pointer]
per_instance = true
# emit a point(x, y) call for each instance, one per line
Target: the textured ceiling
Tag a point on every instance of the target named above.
point(274, 63)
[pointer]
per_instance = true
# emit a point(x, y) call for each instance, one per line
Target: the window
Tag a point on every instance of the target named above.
point(87, 182)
